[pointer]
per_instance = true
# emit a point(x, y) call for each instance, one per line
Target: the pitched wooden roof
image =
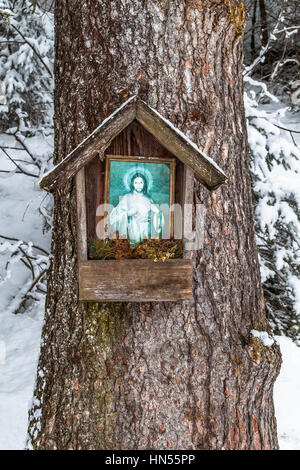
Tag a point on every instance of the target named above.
point(205, 169)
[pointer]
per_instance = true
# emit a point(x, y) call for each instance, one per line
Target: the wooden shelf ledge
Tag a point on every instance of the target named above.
point(137, 280)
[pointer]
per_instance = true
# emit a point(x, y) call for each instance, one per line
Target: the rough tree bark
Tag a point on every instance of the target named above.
point(174, 375)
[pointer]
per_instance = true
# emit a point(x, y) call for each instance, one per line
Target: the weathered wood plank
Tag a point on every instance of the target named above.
point(94, 193)
point(188, 198)
point(81, 216)
point(135, 140)
point(97, 142)
point(208, 174)
point(135, 280)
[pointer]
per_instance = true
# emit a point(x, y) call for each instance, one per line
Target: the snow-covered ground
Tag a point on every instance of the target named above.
point(18, 368)
point(19, 348)
point(20, 200)
point(286, 396)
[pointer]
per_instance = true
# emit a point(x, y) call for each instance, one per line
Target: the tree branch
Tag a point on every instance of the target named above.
point(34, 50)
point(26, 295)
point(18, 166)
point(17, 240)
point(20, 141)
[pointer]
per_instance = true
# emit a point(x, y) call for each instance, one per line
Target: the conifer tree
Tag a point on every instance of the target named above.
point(171, 375)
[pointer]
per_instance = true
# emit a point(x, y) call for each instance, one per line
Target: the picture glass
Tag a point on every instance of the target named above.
point(140, 193)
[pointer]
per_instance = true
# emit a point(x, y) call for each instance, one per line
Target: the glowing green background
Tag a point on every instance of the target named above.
point(160, 190)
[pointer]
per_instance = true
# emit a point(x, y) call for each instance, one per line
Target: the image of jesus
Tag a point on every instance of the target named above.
point(137, 217)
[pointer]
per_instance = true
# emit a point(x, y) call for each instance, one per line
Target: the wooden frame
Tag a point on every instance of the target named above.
point(188, 198)
point(141, 280)
point(142, 159)
point(82, 250)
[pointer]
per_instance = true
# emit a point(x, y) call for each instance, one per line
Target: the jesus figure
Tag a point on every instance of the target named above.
point(136, 217)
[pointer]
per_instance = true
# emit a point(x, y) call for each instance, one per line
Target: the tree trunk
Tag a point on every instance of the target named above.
point(253, 31)
point(165, 375)
point(264, 23)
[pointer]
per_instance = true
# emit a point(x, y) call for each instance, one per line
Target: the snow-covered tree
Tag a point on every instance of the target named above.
point(273, 27)
point(275, 170)
point(273, 131)
point(26, 142)
point(26, 65)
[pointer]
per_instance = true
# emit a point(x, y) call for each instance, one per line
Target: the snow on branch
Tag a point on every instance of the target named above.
point(36, 260)
point(289, 31)
point(274, 163)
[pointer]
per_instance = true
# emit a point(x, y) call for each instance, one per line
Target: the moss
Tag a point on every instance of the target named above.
point(163, 5)
point(255, 348)
point(105, 327)
point(118, 249)
point(262, 324)
point(258, 350)
point(235, 8)
point(237, 13)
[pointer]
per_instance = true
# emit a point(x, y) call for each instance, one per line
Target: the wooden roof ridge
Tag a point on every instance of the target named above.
point(205, 169)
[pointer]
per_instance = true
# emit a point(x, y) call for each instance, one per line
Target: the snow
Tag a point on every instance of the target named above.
point(295, 283)
point(27, 81)
point(264, 337)
point(286, 396)
point(20, 334)
point(275, 164)
point(19, 342)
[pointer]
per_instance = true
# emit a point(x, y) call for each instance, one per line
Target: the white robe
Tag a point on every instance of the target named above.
point(130, 226)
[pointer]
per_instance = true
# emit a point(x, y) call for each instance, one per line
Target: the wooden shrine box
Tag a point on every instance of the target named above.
point(134, 130)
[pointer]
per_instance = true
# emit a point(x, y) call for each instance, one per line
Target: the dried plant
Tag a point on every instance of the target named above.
point(119, 248)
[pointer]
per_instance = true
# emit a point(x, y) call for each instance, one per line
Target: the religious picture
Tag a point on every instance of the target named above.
point(140, 192)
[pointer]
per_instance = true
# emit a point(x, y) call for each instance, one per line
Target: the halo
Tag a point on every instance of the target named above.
point(137, 169)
